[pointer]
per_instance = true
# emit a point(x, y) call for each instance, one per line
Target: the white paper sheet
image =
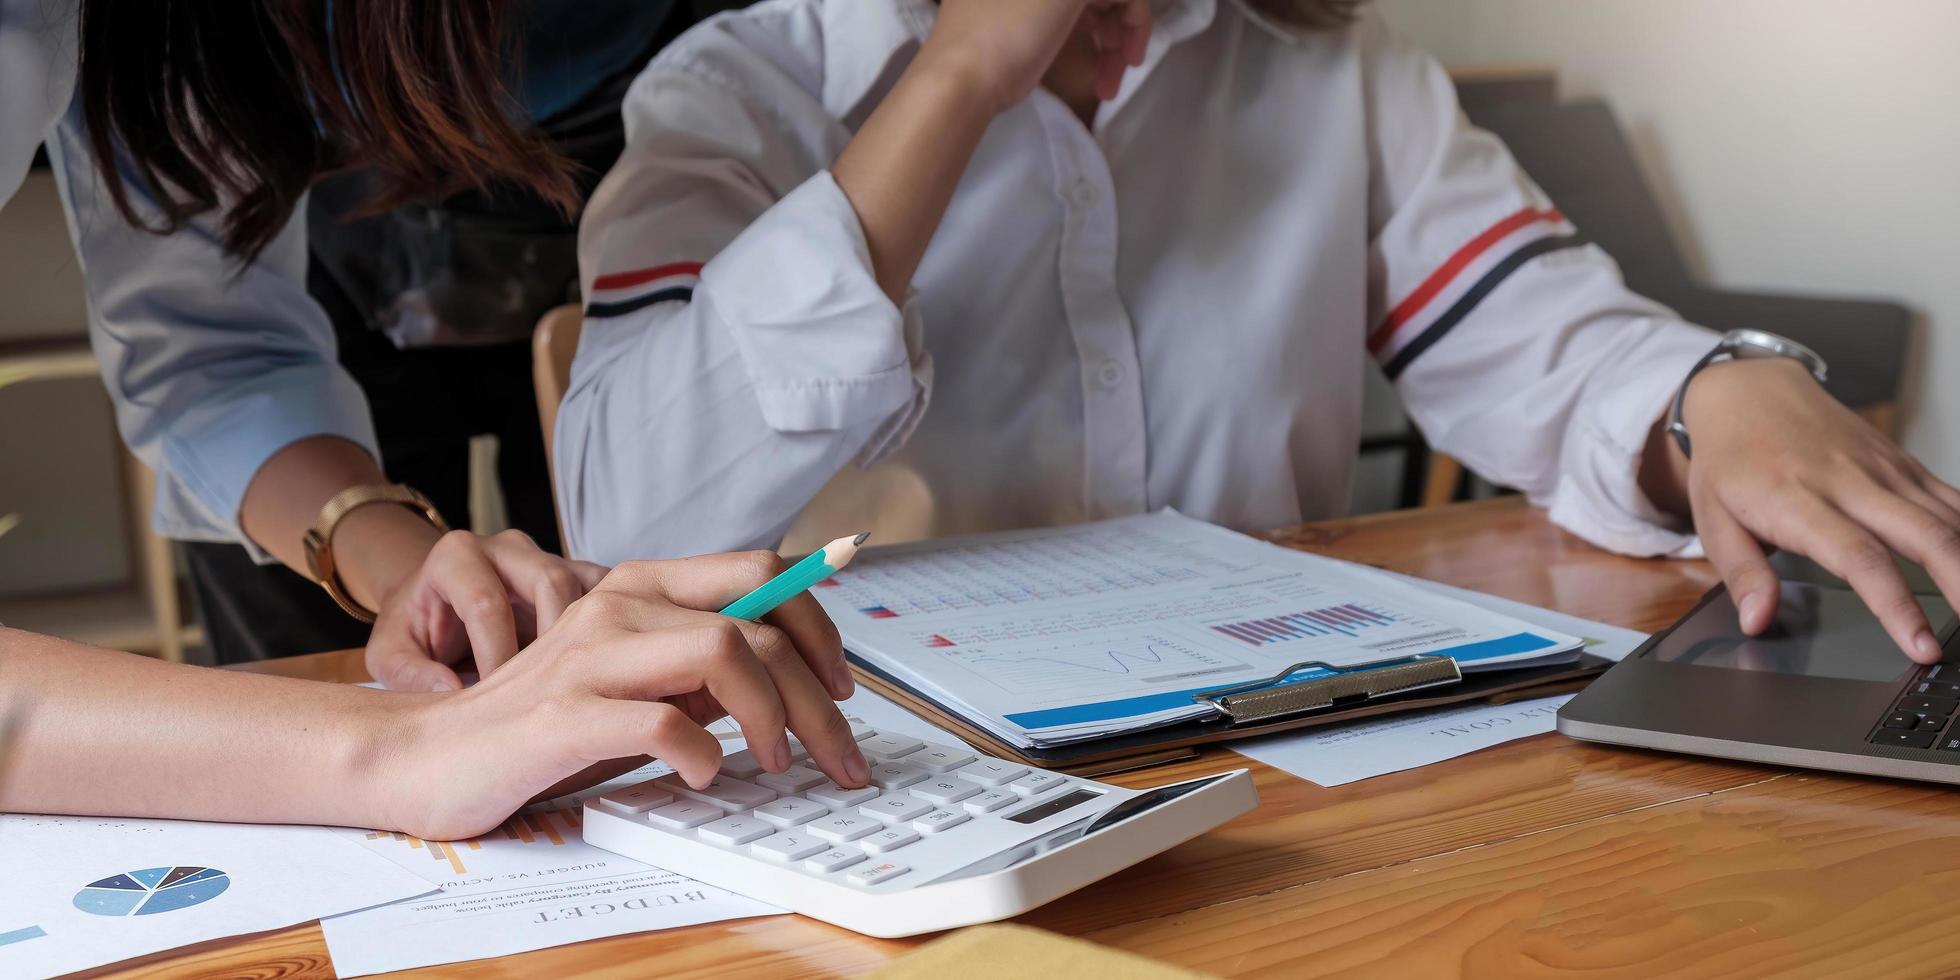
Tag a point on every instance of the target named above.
point(531, 884)
point(1056, 635)
point(82, 892)
point(1347, 753)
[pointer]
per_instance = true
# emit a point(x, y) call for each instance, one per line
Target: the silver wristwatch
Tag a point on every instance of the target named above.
point(1737, 345)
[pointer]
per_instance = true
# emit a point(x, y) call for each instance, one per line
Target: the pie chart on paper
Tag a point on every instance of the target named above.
point(152, 890)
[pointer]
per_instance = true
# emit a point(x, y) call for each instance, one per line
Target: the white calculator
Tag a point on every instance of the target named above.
point(943, 837)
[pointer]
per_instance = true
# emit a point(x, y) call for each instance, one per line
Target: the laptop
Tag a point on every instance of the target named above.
point(1823, 688)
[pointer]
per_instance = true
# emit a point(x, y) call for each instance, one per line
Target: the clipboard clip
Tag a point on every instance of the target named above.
point(1275, 697)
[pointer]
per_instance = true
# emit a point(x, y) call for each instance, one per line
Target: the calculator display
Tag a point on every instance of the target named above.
point(1058, 804)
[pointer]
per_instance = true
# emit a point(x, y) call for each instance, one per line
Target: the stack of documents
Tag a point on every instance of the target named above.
point(1062, 635)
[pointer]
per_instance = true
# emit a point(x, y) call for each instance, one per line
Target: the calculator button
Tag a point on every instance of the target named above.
point(897, 775)
point(872, 874)
point(939, 759)
point(861, 731)
point(890, 746)
point(795, 779)
point(790, 811)
point(896, 808)
point(726, 792)
point(685, 814)
point(835, 858)
point(734, 830)
point(890, 839)
point(639, 799)
point(994, 772)
point(840, 827)
point(741, 765)
point(939, 820)
point(1904, 740)
point(1037, 783)
point(831, 794)
point(788, 847)
point(945, 789)
point(988, 802)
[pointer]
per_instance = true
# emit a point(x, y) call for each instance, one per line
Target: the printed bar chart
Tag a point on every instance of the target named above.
point(1343, 620)
point(525, 828)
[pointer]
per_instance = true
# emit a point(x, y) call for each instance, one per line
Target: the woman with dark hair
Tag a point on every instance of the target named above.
point(317, 237)
point(207, 130)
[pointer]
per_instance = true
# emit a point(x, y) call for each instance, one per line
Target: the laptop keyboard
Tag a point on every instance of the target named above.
point(1919, 718)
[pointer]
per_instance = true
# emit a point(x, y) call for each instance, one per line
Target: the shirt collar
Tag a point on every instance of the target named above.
point(863, 40)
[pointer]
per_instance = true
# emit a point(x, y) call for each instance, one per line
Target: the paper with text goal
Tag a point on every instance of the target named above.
point(1053, 636)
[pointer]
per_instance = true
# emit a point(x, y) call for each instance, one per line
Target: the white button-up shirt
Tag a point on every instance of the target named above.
point(1171, 308)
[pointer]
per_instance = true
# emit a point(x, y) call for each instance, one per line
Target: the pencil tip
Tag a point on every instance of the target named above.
point(861, 536)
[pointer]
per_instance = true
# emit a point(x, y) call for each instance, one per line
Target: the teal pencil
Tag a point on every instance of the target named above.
point(794, 580)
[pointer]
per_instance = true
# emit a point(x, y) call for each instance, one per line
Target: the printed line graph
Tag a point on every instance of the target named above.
point(1347, 619)
point(1090, 664)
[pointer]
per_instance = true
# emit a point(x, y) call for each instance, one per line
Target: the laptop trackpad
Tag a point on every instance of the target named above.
point(1820, 631)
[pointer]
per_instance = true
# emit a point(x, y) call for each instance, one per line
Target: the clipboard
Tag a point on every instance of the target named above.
point(1361, 691)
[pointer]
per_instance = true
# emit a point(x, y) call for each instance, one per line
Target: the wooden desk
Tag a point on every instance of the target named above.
point(1544, 857)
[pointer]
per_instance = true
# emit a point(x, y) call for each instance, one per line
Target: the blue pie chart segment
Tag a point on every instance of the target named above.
point(152, 890)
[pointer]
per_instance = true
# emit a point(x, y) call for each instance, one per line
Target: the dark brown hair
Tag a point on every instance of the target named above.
point(1314, 14)
point(239, 107)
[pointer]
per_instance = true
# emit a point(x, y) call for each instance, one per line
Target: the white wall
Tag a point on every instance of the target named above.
point(1806, 146)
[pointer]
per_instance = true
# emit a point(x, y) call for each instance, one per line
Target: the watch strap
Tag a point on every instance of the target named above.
point(1735, 345)
point(319, 538)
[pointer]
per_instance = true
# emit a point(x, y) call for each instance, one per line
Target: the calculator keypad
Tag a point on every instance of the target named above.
point(919, 795)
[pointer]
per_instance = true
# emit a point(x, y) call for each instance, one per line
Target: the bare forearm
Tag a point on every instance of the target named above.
point(902, 168)
point(109, 733)
point(376, 547)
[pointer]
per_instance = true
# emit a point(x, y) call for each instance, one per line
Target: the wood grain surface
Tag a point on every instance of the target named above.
point(1539, 858)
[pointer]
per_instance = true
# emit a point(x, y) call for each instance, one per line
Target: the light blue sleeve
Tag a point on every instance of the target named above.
point(213, 368)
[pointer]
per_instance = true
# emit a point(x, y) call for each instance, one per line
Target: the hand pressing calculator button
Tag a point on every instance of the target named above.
point(795, 779)
point(978, 834)
point(832, 795)
point(723, 791)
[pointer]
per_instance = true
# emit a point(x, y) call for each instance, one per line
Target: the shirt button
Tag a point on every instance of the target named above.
point(1083, 194)
point(1109, 374)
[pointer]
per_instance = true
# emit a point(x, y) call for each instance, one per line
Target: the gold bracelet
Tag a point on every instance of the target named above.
point(319, 539)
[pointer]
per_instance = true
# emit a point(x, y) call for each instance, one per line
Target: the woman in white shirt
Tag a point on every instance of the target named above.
point(633, 667)
point(1130, 274)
